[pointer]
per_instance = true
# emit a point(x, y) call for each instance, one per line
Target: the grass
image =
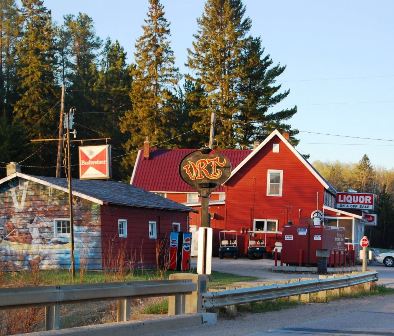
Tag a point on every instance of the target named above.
point(220, 279)
point(268, 306)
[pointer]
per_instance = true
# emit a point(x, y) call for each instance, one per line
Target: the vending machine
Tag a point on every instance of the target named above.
point(180, 248)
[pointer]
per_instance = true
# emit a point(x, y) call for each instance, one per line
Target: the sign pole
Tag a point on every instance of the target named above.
point(70, 198)
point(364, 269)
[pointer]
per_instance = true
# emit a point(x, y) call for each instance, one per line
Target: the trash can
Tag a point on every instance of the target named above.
point(322, 258)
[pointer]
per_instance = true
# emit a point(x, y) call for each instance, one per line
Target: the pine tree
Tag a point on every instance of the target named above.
point(35, 52)
point(154, 85)
point(83, 72)
point(238, 78)
point(10, 28)
point(258, 93)
point(364, 175)
point(112, 97)
point(215, 59)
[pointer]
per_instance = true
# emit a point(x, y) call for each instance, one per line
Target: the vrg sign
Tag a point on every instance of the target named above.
point(205, 170)
point(355, 201)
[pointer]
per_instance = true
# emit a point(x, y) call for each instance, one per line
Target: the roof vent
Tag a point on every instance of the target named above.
point(13, 168)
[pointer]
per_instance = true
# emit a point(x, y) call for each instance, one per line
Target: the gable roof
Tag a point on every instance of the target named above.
point(106, 192)
point(161, 171)
point(314, 172)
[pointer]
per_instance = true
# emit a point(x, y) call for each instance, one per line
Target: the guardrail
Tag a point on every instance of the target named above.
point(53, 297)
point(261, 293)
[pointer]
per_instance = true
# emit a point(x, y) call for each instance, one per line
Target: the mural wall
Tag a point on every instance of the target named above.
point(30, 228)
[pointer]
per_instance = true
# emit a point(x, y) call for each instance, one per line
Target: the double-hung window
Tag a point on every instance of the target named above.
point(152, 230)
point(122, 228)
point(274, 182)
point(192, 198)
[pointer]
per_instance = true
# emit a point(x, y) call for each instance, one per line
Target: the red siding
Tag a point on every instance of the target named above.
point(137, 246)
point(246, 197)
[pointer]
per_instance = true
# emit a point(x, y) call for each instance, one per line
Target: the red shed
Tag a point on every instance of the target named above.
point(114, 223)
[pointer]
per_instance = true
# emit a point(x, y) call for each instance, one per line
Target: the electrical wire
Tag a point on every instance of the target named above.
point(346, 136)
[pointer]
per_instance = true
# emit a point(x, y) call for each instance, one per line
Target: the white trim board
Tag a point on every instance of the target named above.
point(137, 160)
point(345, 213)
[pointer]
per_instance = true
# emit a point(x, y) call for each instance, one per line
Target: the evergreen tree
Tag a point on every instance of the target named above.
point(35, 52)
point(112, 97)
point(364, 176)
point(215, 61)
point(10, 28)
point(83, 72)
point(153, 87)
point(258, 93)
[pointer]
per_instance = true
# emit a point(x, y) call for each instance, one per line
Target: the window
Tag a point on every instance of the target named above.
point(265, 225)
point(222, 196)
point(274, 182)
point(122, 228)
point(62, 227)
point(176, 227)
point(192, 198)
point(275, 148)
point(152, 230)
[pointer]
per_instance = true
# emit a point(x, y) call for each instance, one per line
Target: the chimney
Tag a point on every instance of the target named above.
point(256, 144)
point(146, 148)
point(13, 168)
point(286, 135)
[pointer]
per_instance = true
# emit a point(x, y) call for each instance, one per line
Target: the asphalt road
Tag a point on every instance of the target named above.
point(363, 316)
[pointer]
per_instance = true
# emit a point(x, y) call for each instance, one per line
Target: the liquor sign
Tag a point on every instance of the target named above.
point(204, 170)
point(95, 162)
point(361, 201)
point(370, 219)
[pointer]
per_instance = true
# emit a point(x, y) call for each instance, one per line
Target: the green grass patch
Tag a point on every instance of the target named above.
point(220, 279)
point(159, 307)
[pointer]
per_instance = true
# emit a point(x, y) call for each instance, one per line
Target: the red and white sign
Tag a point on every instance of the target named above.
point(364, 242)
point(94, 162)
point(370, 219)
point(355, 201)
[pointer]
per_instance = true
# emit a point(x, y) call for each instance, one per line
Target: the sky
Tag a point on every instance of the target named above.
point(338, 54)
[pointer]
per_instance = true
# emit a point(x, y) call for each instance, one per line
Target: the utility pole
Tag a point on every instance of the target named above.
point(70, 196)
point(212, 130)
point(60, 143)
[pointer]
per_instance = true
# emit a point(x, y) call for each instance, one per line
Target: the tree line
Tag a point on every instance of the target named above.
point(228, 73)
point(364, 177)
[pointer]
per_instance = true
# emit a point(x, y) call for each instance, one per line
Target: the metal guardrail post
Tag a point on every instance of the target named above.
point(123, 310)
point(179, 304)
point(52, 317)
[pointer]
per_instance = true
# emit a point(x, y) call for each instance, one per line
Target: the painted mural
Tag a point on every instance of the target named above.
point(34, 229)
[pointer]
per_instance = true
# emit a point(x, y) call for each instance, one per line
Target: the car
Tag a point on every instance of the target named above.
point(385, 258)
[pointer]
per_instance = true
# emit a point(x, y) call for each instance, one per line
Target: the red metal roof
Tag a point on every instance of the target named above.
point(161, 171)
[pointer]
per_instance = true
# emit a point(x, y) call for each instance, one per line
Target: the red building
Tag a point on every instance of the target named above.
point(268, 188)
point(114, 223)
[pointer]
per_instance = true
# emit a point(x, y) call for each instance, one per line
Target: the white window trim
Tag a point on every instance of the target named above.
point(152, 233)
point(265, 220)
point(124, 235)
point(56, 234)
point(178, 225)
point(269, 171)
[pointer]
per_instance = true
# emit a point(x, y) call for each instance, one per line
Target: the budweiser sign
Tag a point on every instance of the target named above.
point(361, 201)
point(94, 162)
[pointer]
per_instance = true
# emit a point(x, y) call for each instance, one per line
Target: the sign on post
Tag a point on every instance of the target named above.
point(364, 242)
point(95, 162)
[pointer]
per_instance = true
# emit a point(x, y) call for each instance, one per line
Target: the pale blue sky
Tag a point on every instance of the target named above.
point(339, 56)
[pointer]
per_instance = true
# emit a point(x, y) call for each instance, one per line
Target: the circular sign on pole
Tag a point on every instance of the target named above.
point(364, 242)
point(205, 170)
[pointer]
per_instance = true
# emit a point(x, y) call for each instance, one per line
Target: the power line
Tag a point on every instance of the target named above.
point(347, 136)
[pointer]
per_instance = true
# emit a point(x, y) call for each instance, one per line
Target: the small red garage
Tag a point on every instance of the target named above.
point(114, 223)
